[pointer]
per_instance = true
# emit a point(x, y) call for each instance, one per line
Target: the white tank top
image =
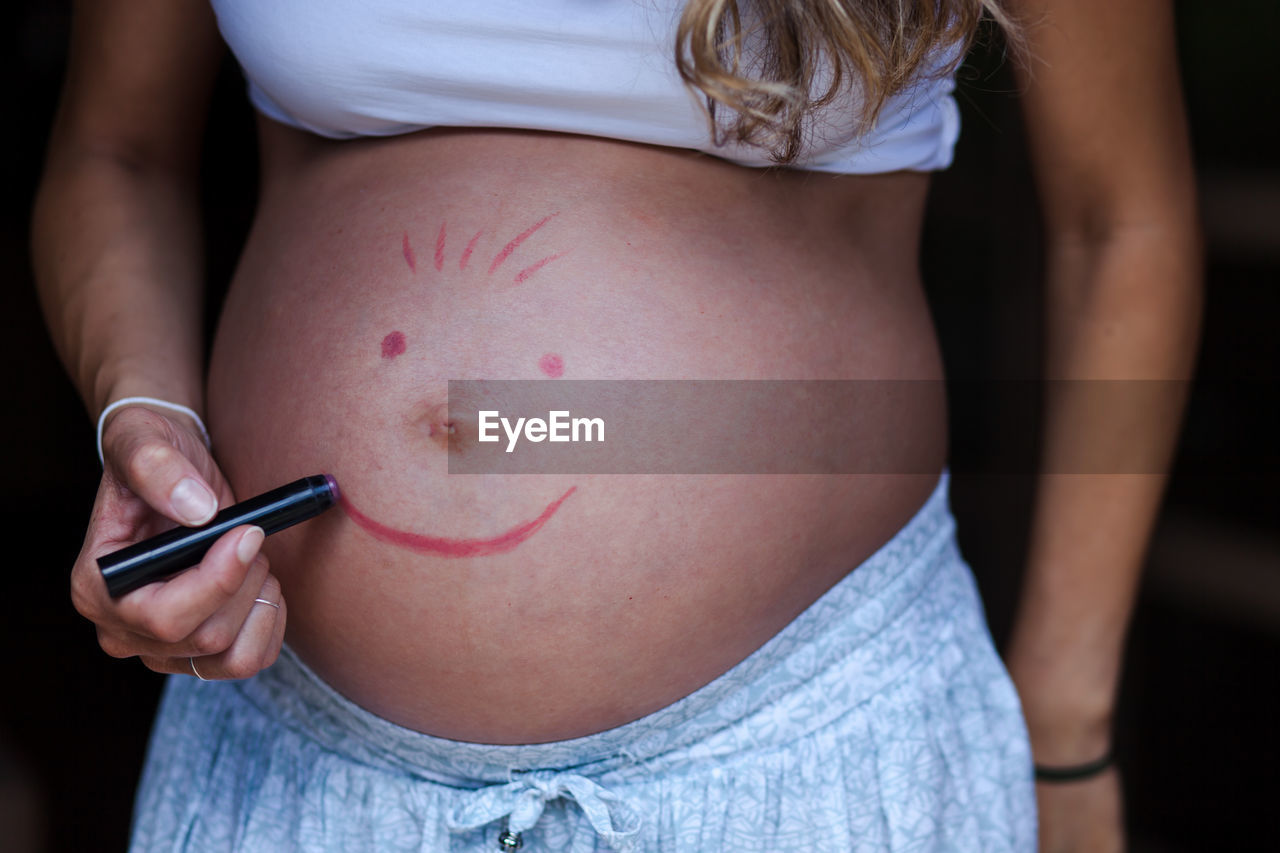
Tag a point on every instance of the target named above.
point(343, 69)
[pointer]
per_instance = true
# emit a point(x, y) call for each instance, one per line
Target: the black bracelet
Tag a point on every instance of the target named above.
point(1075, 772)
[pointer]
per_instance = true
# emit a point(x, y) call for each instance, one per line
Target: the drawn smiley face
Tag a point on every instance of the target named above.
point(396, 344)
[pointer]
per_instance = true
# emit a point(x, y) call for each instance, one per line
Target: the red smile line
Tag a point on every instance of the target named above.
point(453, 547)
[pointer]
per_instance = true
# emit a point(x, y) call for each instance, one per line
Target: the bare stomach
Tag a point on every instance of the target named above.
point(527, 608)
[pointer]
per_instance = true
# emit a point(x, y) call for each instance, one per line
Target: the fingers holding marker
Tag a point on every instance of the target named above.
point(169, 483)
point(172, 618)
point(253, 648)
point(219, 632)
point(172, 611)
point(248, 654)
point(256, 645)
point(197, 599)
point(214, 612)
point(174, 550)
point(277, 635)
point(143, 453)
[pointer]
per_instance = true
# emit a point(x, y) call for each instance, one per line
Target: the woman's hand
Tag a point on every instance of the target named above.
point(1070, 726)
point(157, 471)
point(1083, 816)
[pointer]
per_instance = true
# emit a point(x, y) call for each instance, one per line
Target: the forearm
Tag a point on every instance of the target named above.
point(115, 236)
point(1123, 320)
point(117, 254)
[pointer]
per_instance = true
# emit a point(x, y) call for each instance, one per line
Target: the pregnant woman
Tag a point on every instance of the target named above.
point(522, 190)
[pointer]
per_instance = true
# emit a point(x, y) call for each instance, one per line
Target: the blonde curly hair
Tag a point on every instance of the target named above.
point(763, 59)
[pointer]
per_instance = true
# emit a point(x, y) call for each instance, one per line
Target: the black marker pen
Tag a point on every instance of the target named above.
point(183, 547)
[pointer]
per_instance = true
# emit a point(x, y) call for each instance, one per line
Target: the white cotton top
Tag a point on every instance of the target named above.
point(346, 69)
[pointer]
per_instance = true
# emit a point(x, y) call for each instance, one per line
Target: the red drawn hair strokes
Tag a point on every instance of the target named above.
point(516, 241)
point(408, 253)
point(466, 253)
point(440, 247)
point(465, 258)
point(523, 275)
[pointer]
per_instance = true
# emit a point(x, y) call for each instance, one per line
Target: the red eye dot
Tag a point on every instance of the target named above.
point(552, 365)
point(393, 345)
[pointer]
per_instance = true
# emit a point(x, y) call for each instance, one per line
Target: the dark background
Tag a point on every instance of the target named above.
point(1197, 729)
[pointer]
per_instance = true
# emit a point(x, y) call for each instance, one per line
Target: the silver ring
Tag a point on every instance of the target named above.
point(268, 603)
point(195, 671)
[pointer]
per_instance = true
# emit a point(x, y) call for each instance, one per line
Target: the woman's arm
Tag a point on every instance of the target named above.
point(117, 248)
point(116, 234)
point(1113, 167)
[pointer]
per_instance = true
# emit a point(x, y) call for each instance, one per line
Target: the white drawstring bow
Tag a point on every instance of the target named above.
point(522, 801)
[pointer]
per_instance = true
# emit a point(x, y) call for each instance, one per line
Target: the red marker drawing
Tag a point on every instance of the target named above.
point(408, 253)
point(440, 247)
point(393, 345)
point(551, 364)
point(440, 546)
point(524, 274)
point(466, 253)
point(515, 243)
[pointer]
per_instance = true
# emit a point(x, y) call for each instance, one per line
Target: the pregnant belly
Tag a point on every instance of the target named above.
point(522, 608)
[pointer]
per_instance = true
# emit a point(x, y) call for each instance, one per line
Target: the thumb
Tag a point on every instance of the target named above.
point(143, 458)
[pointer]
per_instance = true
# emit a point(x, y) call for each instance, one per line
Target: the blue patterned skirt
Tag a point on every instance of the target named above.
point(880, 719)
